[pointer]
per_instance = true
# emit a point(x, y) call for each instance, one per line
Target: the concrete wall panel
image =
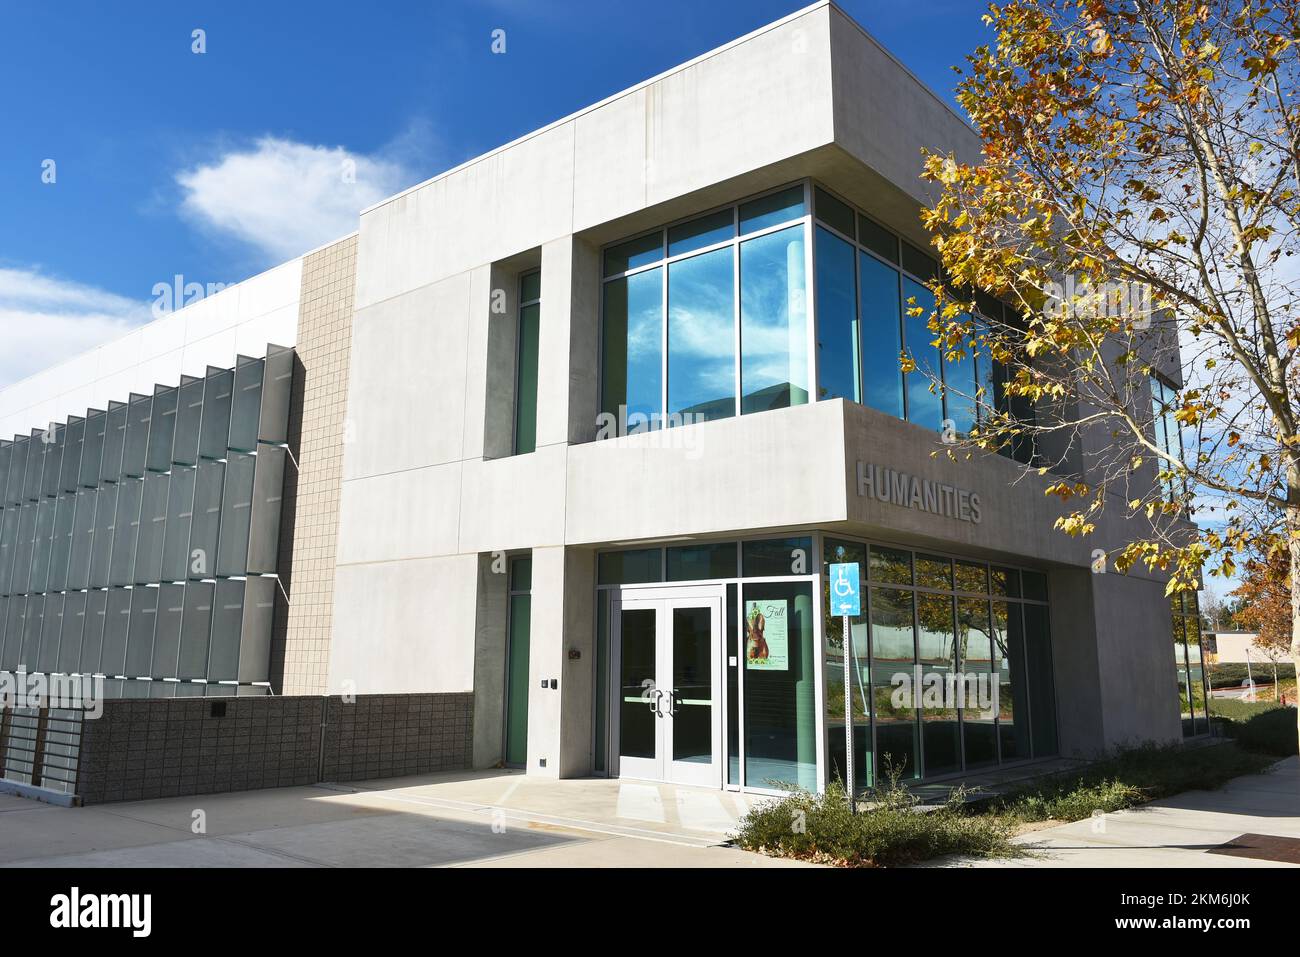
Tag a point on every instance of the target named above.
point(400, 516)
point(407, 381)
point(402, 626)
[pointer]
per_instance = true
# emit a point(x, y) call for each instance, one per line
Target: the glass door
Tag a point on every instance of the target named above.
point(667, 721)
point(638, 719)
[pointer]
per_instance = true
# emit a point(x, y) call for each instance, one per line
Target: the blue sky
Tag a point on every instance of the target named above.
point(211, 165)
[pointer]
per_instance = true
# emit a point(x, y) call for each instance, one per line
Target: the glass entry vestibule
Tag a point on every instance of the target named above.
point(668, 720)
point(706, 667)
point(717, 663)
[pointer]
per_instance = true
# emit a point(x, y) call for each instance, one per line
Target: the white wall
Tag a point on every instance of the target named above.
point(1232, 647)
point(416, 491)
point(239, 320)
point(756, 101)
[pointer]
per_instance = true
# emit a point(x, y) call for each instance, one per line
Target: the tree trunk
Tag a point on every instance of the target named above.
point(1293, 532)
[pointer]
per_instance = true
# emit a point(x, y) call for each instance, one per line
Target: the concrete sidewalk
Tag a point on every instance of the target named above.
point(1176, 832)
point(493, 819)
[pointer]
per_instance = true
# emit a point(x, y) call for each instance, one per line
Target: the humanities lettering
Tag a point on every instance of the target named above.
point(899, 488)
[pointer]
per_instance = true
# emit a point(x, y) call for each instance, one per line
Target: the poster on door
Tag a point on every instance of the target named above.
point(767, 644)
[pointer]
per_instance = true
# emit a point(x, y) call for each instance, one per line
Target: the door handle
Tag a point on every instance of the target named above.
point(672, 702)
point(654, 702)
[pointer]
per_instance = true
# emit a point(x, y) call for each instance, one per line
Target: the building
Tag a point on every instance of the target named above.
point(567, 436)
point(1233, 647)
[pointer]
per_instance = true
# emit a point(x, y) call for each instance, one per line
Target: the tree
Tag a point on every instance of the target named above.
point(1215, 611)
point(1137, 195)
point(1265, 594)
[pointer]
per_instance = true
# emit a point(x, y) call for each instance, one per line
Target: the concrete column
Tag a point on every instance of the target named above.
point(1074, 662)
point(1113, 661)
point(490, 660)
point(578, 683)
point(1135, 650)
point(559, 719)
point(584, 343)
point(490, 382)
point(568, 360)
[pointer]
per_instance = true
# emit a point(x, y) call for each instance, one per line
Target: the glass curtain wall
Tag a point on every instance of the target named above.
point(951, 666)
point(873, 306)
point(770, 713)
point(1185, 612)
point(707, 319)
point(1169, 435)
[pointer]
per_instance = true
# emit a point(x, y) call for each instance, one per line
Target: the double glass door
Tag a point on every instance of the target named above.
point(667, 720)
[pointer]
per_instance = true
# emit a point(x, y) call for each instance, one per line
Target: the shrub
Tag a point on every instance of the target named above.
point(1073, 802)
point(896, 830)
point(1129, 777)
point(1231, 674)
point(1270, 730)
point(1236, 709)
point(893, 830)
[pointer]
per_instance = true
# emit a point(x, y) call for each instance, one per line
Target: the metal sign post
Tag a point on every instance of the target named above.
point(847, 600)
point(848, 718)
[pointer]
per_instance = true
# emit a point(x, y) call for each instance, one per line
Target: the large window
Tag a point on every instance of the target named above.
point(1168, 434)
point(530, 313)
point(951, 666)
point(870, 285)
point(1185, 613)
point(708, 318)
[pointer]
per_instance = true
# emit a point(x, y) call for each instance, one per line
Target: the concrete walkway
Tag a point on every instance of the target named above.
point(493, 819)
point(1177, 832)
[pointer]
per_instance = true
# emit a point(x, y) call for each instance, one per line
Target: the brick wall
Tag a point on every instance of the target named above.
point(141, 749)
point(382, 736)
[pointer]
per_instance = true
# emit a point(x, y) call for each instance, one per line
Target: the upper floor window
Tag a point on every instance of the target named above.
point(868, 283)
point(530, 309)
point(707, 318)
point(1168, 434)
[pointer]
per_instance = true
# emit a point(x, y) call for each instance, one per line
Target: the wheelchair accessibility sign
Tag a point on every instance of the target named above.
point(846, 598)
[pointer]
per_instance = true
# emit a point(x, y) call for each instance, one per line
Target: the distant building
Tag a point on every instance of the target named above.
point(1233, 647)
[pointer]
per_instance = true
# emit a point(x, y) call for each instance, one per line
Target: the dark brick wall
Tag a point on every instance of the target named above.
point(381, 736)
point(170, 747)
point(141, 749)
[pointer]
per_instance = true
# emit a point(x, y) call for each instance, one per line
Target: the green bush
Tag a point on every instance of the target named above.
point(1073, 803)
point(1160, 770)
point(1235, 709)
point(1129, 777)
point(895, 830)
point(1270, 730)
point(1232, 674)
point(892, 830)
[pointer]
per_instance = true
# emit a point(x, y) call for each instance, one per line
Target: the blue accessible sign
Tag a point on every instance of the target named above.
point(846, 596)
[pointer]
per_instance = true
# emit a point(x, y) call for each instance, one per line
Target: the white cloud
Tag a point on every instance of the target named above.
point(285, 197)
point(44, 320)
